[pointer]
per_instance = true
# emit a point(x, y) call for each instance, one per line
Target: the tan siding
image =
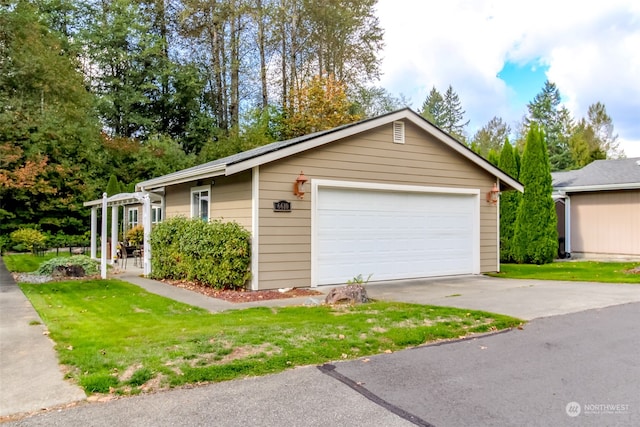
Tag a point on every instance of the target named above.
point(177, 201)
point(606, 223)
point(285, 243)
point(231, 199)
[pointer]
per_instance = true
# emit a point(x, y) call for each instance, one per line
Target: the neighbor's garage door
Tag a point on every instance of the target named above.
point(394, 235)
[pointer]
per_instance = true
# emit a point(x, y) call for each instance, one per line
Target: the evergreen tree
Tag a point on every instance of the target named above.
point(454, 122)
point(433, 108)
point(535, 237)
point(555, 122)
point(509, 202)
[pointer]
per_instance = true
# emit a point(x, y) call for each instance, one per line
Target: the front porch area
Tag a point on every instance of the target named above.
point(113, 249)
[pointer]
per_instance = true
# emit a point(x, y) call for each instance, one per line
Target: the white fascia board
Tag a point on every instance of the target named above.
point(182, 177)
point(368, 125)
point(461, 149)
point(604, 187)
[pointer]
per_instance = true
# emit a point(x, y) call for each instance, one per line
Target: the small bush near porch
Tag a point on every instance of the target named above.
point(213, 253)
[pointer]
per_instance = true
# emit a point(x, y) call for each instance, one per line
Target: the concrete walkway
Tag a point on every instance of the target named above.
point(30, 376)
point(214, 305)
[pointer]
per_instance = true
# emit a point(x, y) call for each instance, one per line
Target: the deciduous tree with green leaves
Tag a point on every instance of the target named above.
point(535, 237)
point(490, 137)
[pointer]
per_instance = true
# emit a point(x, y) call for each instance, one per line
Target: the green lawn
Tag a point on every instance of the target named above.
point(27, 263)
point(114, 336)
point(584, 271)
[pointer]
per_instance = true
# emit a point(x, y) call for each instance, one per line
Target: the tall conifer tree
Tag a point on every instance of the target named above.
point(509, 202)
point(536, 235)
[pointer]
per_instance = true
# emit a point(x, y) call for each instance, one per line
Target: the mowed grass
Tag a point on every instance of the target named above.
point(584, 271)
point(115, 337)
point(27, 263)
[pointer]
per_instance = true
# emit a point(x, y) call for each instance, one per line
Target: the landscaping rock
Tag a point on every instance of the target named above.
point(70, 271)
point(350, 294)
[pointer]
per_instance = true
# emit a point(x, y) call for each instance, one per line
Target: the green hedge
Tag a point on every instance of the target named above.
point(216, 253)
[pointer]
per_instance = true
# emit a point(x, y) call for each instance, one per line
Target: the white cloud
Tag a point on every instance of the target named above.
point(592, 53)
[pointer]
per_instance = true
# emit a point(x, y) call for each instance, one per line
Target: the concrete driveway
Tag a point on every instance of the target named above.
point(525, 299)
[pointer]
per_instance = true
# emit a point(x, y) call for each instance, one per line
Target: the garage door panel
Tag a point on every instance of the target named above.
point(393, 234)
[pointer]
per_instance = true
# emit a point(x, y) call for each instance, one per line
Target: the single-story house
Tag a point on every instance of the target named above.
point(598, 209)
point(392, 196)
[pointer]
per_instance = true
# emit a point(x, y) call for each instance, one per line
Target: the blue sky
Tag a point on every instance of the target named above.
point(497, 54)
point(525, 80)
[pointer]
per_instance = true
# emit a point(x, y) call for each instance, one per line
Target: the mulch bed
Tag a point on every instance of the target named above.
point(238, 296)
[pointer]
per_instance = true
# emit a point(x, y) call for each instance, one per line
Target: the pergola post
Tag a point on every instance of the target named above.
point(114, 232)
point(146, 224)
point(94, 232)
point(103, 254)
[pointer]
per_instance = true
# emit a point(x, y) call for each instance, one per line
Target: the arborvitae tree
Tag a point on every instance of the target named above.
point(535, 237)
point(113, 186)
point(509, 202)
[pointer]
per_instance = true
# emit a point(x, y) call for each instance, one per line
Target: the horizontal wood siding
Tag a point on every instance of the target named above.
point(230, 199)
point(606, 223)
point(177, 200)
point(285, 238)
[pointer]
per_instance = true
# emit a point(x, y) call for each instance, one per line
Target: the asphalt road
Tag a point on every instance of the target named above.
point(580, 369)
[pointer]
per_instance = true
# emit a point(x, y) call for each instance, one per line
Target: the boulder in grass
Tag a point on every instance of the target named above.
point(68, 271)
point(350, 294)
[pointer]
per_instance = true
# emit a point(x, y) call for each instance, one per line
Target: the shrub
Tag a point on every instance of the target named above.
point(135, 236)
point(89, 266)
point(215, 253)
point(29, 238)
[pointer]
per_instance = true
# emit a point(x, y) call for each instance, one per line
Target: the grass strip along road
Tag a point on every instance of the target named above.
point(114, 337)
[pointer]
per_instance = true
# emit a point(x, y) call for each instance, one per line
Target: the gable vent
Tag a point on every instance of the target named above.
point(398, 132)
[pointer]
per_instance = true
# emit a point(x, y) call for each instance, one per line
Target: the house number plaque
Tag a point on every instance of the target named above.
point(282, 206)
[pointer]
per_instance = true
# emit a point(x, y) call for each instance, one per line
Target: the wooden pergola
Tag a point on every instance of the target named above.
point(114, 202)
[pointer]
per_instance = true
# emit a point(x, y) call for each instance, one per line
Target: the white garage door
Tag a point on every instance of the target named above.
point(394, 235)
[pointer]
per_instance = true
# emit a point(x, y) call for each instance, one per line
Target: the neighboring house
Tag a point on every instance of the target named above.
point(392, 196)
point(598, 209)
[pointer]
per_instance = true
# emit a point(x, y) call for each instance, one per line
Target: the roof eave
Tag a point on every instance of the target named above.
point(602, 187)
point(181, 177)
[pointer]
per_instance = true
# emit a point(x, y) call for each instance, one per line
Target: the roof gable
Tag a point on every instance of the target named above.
point(271, 152)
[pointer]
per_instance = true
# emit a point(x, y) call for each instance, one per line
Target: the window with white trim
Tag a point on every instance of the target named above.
point(156, 214)
point(132, 217)
point(200, 202)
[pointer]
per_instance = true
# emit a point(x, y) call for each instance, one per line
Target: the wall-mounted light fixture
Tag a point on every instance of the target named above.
point(492, 196)
point(298, 186)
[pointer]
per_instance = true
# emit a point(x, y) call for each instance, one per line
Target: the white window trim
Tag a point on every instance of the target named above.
point(131, 224)
point(155, 208)
point(199, 189)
